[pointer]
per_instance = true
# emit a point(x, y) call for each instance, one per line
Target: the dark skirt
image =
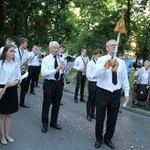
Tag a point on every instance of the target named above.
point(9, 101)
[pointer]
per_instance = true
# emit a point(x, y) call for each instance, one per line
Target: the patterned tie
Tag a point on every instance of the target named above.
point(55, 65)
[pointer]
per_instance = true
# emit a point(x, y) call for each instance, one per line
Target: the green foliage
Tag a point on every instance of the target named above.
point(41, 21)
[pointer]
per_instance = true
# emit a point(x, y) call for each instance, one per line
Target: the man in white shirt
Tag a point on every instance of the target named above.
point(8, 41)
point(52, 71)
point(21, 56)
point(33, 66)
point(91, 66)
point(109, 84)
point(80, 65)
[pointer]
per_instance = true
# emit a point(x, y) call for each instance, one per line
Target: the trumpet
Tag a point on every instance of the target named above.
point(64, 72)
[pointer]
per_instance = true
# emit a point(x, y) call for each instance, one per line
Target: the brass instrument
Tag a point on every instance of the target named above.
point(23, 65)
point(64, 72)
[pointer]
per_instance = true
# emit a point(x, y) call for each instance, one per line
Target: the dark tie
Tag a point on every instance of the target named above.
point(114, 77)
point(55, 65)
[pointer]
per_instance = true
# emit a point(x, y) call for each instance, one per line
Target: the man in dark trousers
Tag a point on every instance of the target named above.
point(111, 77)
point(91, 66)
point(21, 56)
point(80, 65)
point(33, 68)
point(52, 70)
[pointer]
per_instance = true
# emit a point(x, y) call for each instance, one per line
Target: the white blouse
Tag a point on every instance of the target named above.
point(144, 77)
point(9, 71)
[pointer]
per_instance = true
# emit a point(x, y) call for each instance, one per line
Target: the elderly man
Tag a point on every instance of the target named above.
point(111, 77)
point(52, 71)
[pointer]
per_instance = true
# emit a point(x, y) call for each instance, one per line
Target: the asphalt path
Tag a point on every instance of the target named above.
point(132, 130)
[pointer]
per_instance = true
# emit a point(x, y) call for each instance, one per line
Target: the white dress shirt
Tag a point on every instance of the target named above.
point(34, 61)
point(104, 76)
point(22, 56)
point(48, 69)
point(1, 50)
point(79, 64)
point(91, 68)
point(9, 71)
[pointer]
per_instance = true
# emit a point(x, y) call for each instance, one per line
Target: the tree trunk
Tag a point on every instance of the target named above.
point(1, 18)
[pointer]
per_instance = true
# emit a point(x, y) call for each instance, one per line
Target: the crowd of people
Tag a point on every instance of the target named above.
point(107, 76)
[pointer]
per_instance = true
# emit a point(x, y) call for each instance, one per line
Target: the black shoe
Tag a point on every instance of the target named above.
point(89, 118)
point(109, 144)
point(98, 144)
point(61, 104)
point(33, 93)
point(93, 116)
point(56, 126)
point(82, 100)
point(76, 100)
point(23, 105)
point(44, 129)
point(120, 111)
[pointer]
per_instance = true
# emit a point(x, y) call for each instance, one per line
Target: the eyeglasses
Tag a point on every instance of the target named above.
point(112, 45)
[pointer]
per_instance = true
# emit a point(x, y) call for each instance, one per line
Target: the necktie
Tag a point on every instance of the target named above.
point(114, 77)
point(55, 65)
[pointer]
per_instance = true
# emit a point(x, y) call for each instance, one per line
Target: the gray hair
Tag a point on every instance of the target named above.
point(146, 62)
point(53, 43)
point(109, 42)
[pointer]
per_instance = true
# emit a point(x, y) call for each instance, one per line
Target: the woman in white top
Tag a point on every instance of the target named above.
point(142, 76)
point(9, 78)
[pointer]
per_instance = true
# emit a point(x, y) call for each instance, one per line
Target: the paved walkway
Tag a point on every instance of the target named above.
point(132, 130)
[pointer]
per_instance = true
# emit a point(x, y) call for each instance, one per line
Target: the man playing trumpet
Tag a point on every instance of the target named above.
point(52, 71)
point(111, 77)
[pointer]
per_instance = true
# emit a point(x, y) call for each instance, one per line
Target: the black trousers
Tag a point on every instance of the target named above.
point(37, 75)
point(23, 87)
point(81, 79)
point(33, 71)
point(110, 102)
point(52, 94)
point(91, 102)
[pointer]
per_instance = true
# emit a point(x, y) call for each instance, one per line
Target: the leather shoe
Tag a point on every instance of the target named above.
point(93, 116)
point(56, 126)
point(75, 100)
point(23, 105)
point(89, 118)
point(82, 100)
point(98, 144)
point(61, 104)
point(33, 93)
point(44, 129)
point(109, 144)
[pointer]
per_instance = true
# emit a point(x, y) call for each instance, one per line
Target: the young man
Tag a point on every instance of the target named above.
point(21, 56)
point(80, 65)
point(51, 70)
point(8, 41)
point(33, 67)
point(91, 66)
point(111, 77)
